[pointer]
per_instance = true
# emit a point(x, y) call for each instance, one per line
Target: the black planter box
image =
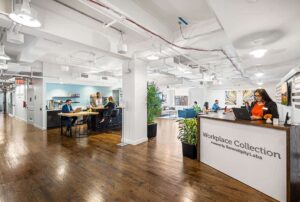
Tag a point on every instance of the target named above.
point(189, 150)
point(152, 130)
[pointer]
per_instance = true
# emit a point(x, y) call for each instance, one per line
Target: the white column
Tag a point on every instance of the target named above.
point(134, 98)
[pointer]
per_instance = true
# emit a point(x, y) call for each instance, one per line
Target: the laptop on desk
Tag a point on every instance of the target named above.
point(78, 109)
point(241, 114)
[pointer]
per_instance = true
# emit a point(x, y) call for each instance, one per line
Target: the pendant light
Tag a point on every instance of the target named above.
point(25, 15)
point(122, 46)
point(3, 55)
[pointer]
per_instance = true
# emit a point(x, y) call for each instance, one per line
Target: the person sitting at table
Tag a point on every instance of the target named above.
point(248, 106)
point(205, 108)
point(67, 108)
point(215, 106)
point(196, 107)
point(110, 105)
point(263, 105)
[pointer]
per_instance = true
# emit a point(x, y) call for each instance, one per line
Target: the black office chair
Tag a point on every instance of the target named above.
point(82, 127)
point(110, 119)
point(113, 117)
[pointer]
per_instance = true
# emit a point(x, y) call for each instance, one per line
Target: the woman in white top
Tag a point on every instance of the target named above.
point(98, 99)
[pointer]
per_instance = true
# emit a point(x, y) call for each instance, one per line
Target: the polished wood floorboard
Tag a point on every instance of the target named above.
point(40, 165)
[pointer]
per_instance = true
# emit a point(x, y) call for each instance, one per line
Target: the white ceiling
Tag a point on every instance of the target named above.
point(236, 26)
point(268, 24)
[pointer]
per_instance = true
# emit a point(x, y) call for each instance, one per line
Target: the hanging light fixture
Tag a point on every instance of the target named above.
point(3, 56)
point(25, 15)
point(122, 46)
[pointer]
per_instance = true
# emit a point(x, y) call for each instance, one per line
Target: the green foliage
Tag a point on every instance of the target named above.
point(197, 109)
point(153, 103)
point(188, 131)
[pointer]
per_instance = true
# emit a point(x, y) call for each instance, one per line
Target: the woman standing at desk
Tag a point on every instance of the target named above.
point(98, 99)
point(263, 105)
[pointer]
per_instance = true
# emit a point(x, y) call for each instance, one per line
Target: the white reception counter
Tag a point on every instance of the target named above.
point(261, 155)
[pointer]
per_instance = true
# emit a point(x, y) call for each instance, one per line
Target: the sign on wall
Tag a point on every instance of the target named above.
point(253, 155)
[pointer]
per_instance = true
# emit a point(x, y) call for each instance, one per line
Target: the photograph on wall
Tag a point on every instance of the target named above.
point(181, 100)
point(284, 93)
point(230, 97)
point(248, 96)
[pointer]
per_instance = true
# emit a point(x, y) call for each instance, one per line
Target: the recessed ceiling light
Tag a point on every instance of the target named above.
point(259, 74)
point(93, 72)
point(260, 83)
point(65, 68)
point(152, 57)
point(259, 53)
point(25, 15)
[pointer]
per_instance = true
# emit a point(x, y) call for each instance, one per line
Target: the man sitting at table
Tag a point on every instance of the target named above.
point(215, 106)
point(67, 108)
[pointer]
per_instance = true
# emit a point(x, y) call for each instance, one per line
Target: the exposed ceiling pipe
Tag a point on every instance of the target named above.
point(28, 76)
point(165, 40)
point(91, 17)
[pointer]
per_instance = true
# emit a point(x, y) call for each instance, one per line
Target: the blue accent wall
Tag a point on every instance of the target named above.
point(55, 89)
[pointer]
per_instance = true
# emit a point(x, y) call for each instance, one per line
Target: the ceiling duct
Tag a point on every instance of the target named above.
point(84, 75)
point(183, 60)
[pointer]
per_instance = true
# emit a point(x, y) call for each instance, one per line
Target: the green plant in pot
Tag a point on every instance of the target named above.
point(153, 109)
point(188, 137)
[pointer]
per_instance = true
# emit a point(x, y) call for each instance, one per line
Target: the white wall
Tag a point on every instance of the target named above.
point(218, 92)
point(197, 94)
point(204, 94)
point(20, 97)
point(38, 103)
point(194, 94)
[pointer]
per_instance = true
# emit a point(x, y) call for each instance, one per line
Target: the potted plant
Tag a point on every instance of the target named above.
point(153, 109)
point(188, 137)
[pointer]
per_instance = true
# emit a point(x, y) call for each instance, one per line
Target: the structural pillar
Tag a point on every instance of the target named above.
point(134, 98)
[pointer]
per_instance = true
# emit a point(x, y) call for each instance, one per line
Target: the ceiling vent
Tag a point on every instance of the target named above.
point(84, 75)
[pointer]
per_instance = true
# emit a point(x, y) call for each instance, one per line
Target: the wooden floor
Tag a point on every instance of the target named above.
point(42, 166)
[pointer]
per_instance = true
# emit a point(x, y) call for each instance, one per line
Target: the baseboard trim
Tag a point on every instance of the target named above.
point(19, 118)
point(39, 127)
point(135, 142)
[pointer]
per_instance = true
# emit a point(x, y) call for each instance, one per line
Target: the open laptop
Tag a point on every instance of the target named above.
point(78, 109)
point(241, 114)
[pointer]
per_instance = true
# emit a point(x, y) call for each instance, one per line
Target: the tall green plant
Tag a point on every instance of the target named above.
point(153, 103)
point(188, 131)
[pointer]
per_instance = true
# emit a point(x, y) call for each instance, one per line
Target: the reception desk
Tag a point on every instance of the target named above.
point(263, 156)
